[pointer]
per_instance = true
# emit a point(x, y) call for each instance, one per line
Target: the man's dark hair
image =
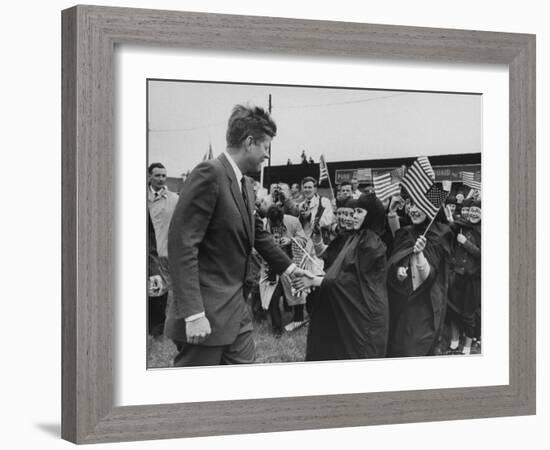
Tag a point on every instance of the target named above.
point(309, 179)
point(153, 166)
point(345, 183)
point(249, 121)
point(275, 214)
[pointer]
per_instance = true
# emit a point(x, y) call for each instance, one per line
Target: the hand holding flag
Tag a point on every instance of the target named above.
point(419, 182)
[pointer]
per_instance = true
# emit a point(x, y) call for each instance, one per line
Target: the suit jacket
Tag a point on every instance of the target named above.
point(210, 240)
point(153, 257)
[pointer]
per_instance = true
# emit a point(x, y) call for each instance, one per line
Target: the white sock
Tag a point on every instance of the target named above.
point(454, 344)
point(466, 351)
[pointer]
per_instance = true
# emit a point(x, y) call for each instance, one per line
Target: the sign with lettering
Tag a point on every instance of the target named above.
point(442, 173)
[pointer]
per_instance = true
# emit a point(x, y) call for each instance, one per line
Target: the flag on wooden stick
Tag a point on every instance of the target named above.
point(471, 180)
point(323, 169)
point(418, 181)
point(209, 154)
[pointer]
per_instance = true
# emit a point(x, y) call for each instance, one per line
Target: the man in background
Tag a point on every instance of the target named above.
point(161, 204)
point(314, 208)
point(345, 190)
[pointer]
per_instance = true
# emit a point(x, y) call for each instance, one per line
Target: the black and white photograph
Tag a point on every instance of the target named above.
point(305, 223)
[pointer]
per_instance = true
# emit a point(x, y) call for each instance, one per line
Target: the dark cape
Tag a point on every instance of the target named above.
point(349, 319)
point(465, 278)
point(416, 317)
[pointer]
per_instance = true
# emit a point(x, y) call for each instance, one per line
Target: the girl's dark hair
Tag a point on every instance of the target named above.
point(376, 217)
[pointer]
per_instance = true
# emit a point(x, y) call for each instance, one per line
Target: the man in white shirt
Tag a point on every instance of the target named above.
point(314, 208)
point(161, 204)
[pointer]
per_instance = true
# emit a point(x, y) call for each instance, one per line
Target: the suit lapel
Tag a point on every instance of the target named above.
point(237, 196)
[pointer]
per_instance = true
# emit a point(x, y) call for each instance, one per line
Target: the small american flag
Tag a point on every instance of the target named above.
point(418, 180)
point(383, 186)
point(471, 180)
point(323, 169)
point(298, 254)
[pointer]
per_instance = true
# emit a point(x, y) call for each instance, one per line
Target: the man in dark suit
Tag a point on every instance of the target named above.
point(211, 236)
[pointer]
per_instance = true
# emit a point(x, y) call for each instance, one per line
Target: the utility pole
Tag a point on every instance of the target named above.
point(269, 109)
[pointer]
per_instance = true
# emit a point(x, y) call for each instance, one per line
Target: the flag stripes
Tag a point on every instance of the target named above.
point(469, 180)
point(418, 180)
point(384, 188)
point(426, 166)
point(323, 169)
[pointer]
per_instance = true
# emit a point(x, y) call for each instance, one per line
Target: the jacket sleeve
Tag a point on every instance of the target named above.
point(187, 229)
point(153, 259)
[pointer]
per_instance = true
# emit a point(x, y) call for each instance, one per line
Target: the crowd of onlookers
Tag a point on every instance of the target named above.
point(387, 280)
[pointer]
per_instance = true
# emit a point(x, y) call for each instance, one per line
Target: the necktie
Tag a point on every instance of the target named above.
point(243, 192)
point(160, 194)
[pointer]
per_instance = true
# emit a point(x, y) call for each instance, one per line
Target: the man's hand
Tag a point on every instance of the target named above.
point(284, 241)
point(420, 244)
point(301, 273)
point(461, 238)
point(197, 330)
point(155, 285)
point(401, 273)
point(302, 283)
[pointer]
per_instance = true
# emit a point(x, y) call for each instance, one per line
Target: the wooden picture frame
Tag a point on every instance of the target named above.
point(90, 34)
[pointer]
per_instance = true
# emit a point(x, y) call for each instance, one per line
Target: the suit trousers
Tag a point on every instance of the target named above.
point(242, 351)
point(156, 314)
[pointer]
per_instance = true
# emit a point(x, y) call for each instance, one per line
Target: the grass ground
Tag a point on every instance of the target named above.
point(290, 347)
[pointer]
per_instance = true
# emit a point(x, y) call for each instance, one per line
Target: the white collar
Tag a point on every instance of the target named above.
point(161, 191)
point(236, 170)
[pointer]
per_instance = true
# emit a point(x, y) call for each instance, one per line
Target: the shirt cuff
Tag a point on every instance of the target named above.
point(194, 317)
point(290, 269)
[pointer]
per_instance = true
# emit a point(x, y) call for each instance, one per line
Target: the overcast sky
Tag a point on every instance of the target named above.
point(343, 124)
